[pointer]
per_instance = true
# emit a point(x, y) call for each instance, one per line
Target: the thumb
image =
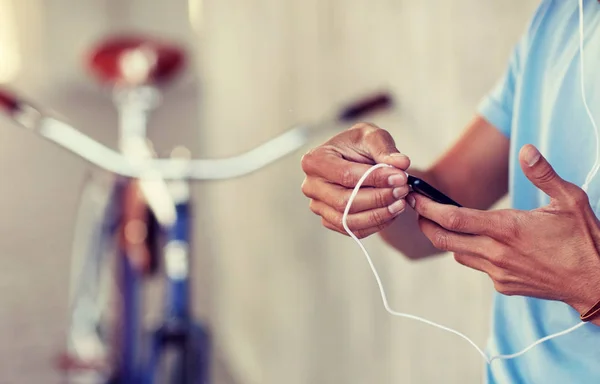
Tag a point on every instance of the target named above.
point(539, 171)
point(382, 148)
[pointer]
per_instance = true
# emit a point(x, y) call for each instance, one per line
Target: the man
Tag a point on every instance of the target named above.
point(542, 255)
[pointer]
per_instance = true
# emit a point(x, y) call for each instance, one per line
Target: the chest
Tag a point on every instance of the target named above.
point(549, 108)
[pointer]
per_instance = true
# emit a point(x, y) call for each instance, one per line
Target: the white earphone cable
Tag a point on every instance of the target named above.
point(585, 186)
point(417, 318)
point(596, 166)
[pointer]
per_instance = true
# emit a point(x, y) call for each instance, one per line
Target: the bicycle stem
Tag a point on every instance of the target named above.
point(134, 106)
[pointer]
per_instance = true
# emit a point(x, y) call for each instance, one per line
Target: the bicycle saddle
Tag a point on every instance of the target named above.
point(135, 60)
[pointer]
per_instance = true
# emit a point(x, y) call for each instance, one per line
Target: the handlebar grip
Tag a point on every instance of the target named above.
point(365, 106)
point(8, 102)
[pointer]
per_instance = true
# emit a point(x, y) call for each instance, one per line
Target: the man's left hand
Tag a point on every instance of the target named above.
point(549, 253)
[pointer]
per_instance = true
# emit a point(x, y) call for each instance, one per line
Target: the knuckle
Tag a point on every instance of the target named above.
point(499, 259)
point(347, 178)
point(546, 175)
point(441, 240)
point(340, 203)
point(455, 221)
point(313, 206)
point(380, 200)
point(510, 227)
point(307, 161)
point(500, 276)
point(377, 134)
point(363, 126)
point(369, 132)
point(378, 178)
point(502, 288)
point(377, 219)
point(579, 198)
point(338, 220)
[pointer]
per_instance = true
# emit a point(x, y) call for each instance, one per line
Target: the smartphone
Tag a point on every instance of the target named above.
point(420, 186)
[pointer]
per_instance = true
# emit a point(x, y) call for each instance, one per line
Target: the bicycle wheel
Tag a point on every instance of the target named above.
point(114, 249)
point(87, 358)
point(182, 355)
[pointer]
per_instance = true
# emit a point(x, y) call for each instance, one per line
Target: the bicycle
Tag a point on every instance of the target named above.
point(131, 224)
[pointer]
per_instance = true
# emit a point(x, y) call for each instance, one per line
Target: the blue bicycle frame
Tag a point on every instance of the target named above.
point(189, 340)
point(140, 357)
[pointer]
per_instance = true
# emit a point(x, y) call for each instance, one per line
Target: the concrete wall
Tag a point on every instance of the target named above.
point(288, 301)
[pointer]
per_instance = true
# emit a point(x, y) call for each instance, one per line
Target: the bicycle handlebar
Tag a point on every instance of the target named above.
point(66, 136)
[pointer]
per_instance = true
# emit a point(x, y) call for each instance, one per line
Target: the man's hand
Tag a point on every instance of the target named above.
point(549, 253)
point(333, 169)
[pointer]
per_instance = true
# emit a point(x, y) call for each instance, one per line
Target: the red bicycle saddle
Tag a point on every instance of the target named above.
point(135, 60)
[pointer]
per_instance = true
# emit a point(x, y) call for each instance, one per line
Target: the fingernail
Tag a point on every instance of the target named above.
point(397, 180)
point(399, 192)
point(397, 207)
point(411, 200)
point(532, 155)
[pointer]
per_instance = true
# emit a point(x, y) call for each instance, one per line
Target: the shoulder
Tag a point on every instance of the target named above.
point(550, 12)
point(547, 12)
point(552, 24)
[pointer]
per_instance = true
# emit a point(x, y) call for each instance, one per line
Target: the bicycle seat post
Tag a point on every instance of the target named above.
point(133, 67)
point(134, 106)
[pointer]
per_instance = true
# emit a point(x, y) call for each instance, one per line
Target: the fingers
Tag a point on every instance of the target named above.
point(334, 169)
point(360, 223)
point(449, 241)
point(504, 282)
point(337, 196)
point(465, 220)
point(327, 164)
point(539, 171)
point(477, 252)
point(360, 233)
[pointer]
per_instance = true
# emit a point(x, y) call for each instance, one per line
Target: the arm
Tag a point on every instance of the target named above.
point(474, 172)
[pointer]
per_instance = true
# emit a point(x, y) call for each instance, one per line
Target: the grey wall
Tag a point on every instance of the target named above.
point(288, 301)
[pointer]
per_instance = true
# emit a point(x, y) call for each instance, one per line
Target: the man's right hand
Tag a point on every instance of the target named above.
point(334, 168)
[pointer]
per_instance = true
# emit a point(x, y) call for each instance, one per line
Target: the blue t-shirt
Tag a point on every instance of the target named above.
point(539, 101)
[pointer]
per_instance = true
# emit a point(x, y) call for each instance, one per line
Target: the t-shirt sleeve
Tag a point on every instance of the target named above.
point(497, 106)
